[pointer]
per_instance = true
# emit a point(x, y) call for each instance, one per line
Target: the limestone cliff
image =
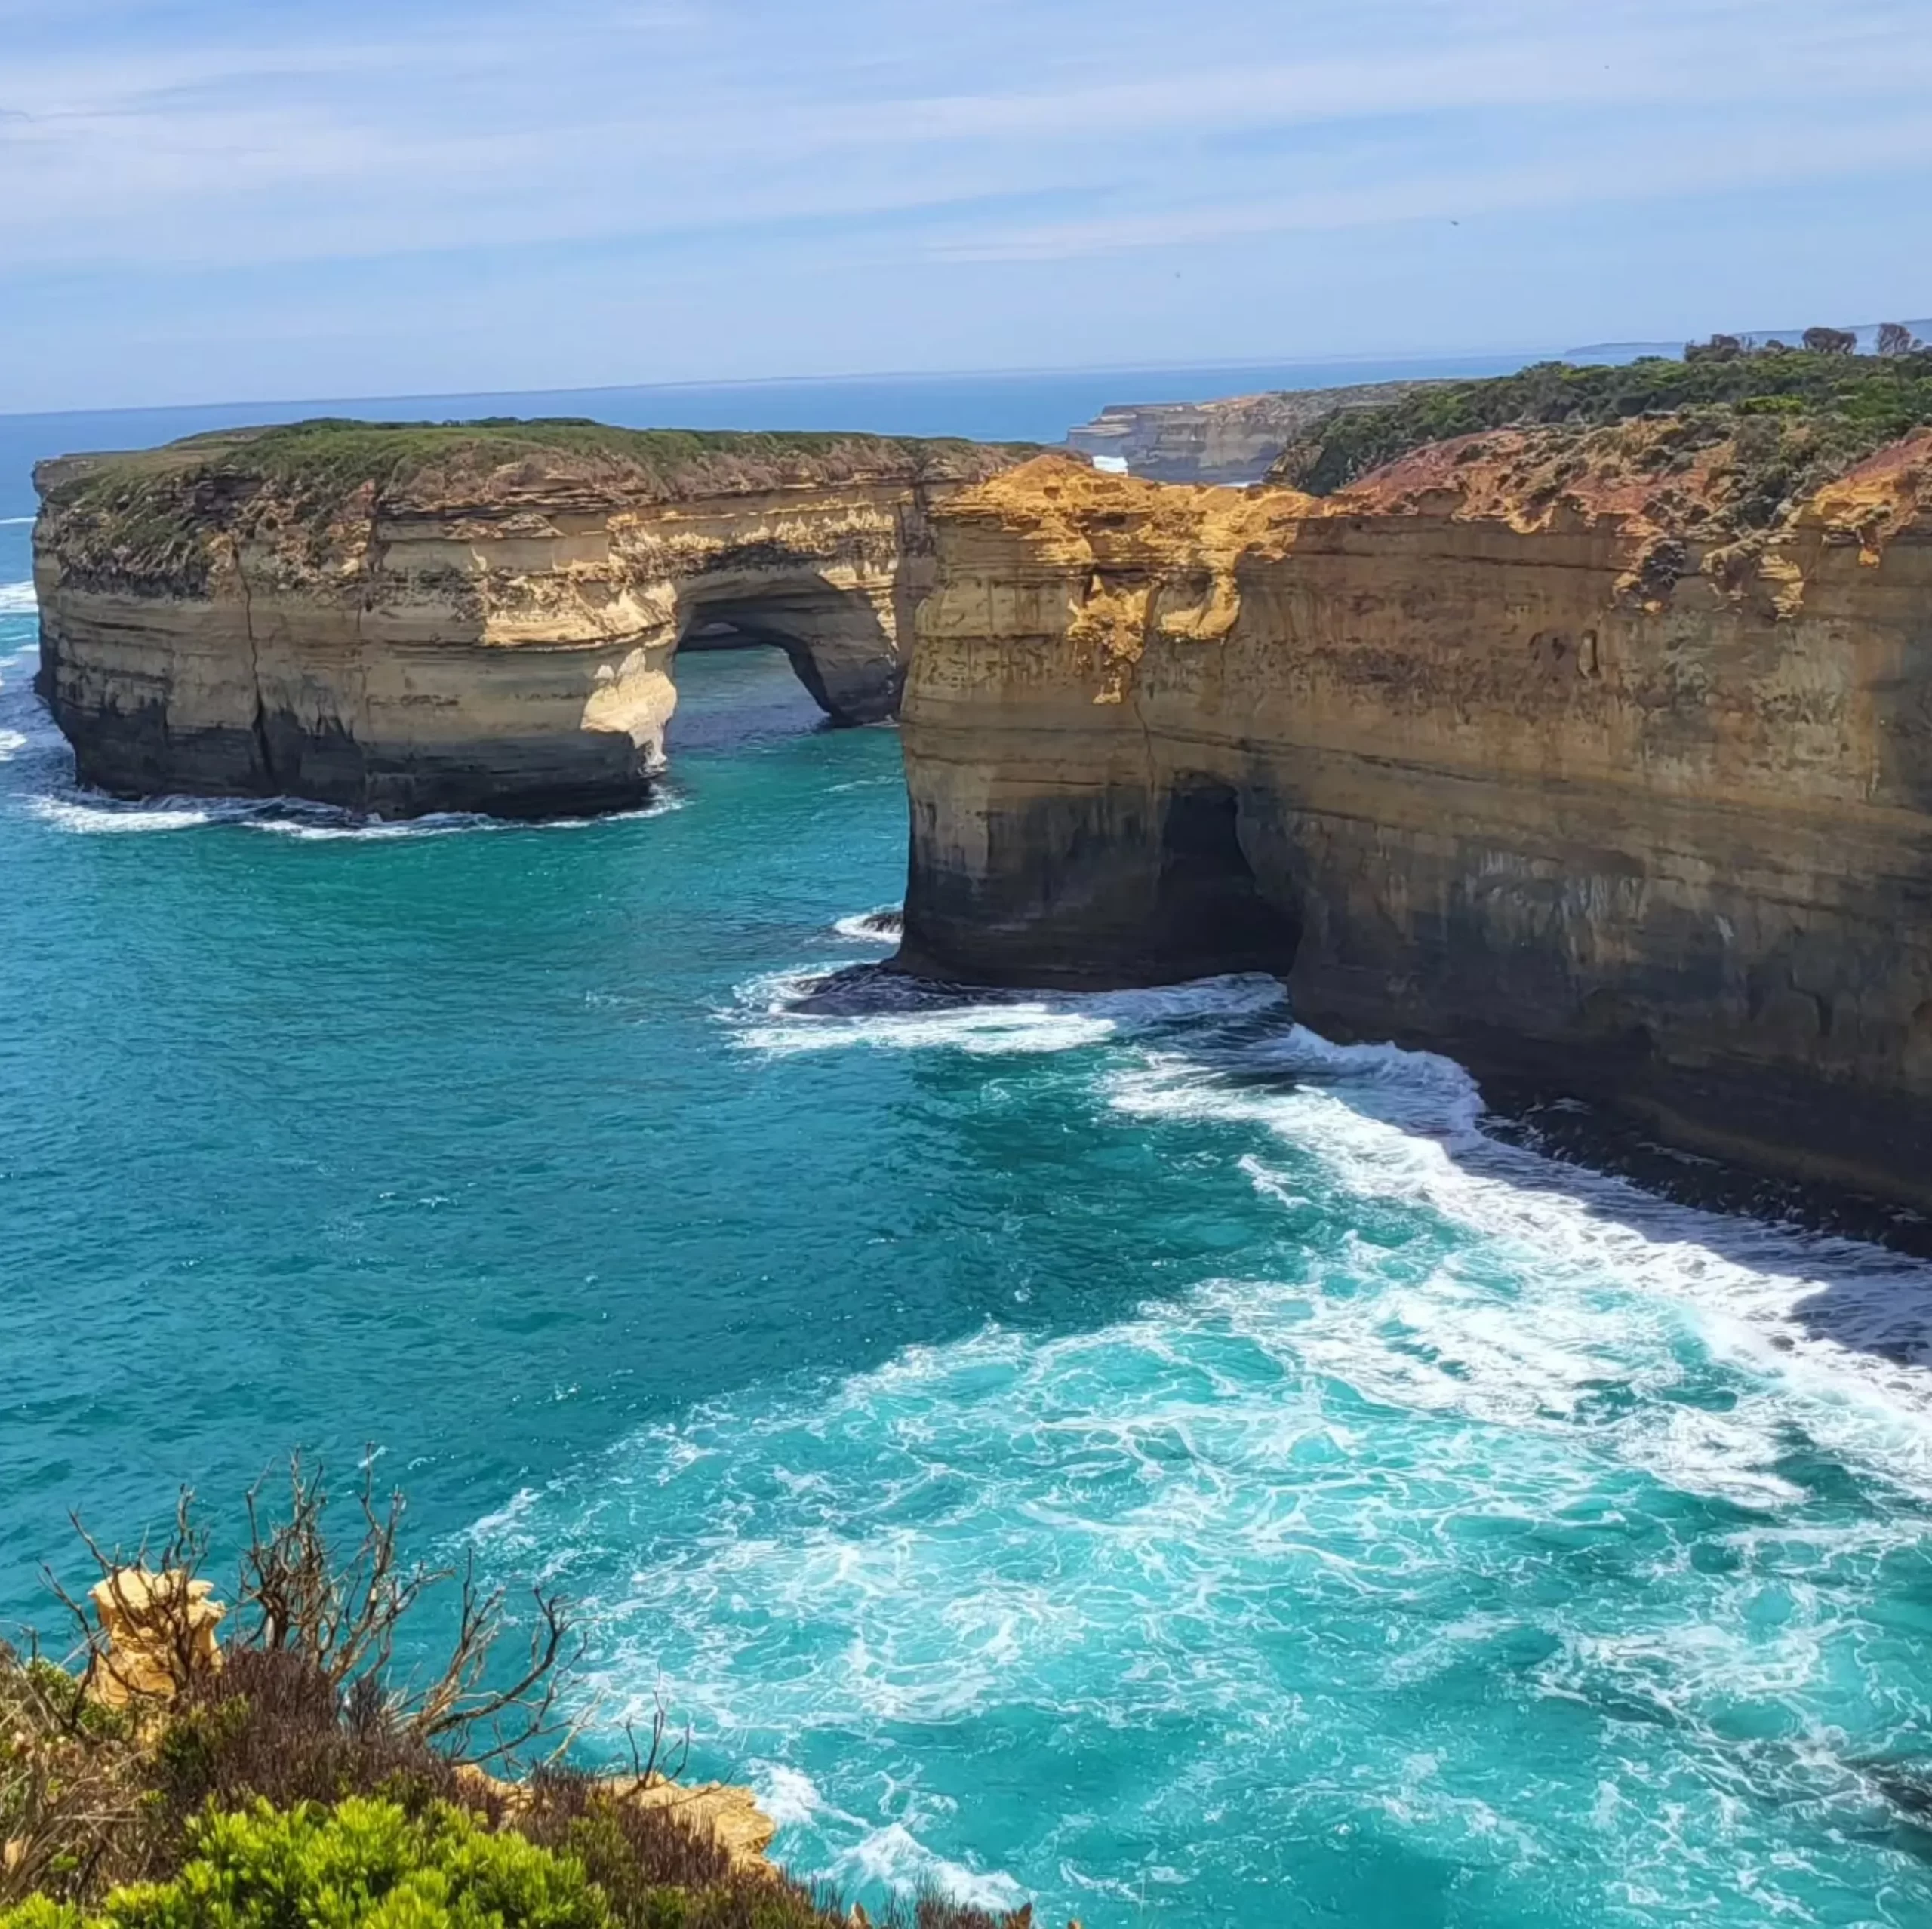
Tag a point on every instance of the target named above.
point(1549, 752)
point(1233, 439)
point(460, 617)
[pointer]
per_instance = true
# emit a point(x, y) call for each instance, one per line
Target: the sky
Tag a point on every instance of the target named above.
point(214, 199)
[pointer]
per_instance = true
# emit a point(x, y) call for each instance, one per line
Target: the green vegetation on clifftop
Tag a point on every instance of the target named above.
point(296, 1775)
point(360, 1863)
point(149, 511)
point(1819, 414)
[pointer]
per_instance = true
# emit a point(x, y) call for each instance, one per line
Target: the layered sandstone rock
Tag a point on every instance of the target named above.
point(1495, 753)
point(157, 1635)
point(1234, 439)
point(410, 620)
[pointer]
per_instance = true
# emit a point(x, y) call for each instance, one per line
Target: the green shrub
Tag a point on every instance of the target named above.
point(42, 1912)
point(1859, 402)
point(298, 1786)
point(271, 1726)
point(361, 1864)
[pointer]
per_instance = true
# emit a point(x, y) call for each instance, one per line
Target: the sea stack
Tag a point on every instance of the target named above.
point(471, 617)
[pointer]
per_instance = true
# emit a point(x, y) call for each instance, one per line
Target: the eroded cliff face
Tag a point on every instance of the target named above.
point(1489, 755)
point(402, 622)
point(1234, 439)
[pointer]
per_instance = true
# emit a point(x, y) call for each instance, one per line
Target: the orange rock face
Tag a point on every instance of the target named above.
point(498, 637)
point(160, 1635)
point(1528, 759)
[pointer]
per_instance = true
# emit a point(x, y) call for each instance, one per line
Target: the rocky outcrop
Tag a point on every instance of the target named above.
point(482, 618)
point(728, 1814)
point(1233, 440)
point(1517, 750)
point(157, 1633)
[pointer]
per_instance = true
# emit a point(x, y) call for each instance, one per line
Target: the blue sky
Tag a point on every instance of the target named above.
point(237, 198)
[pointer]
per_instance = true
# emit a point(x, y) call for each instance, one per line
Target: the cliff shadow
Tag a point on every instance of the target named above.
point(1093, 890)
point(1207, 901)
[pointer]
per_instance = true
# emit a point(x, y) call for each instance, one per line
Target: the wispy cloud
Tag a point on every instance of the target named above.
point(151, 137)
point(1416, 186)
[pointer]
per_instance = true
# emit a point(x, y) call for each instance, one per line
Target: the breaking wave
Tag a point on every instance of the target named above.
point(25, 726)
point(880, 927)
point(18, 599)
point(1497, 1516)
point(93, 813)
point(817, 1009)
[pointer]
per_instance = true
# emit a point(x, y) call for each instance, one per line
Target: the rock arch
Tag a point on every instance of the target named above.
point(481, 617)
point(842, 639)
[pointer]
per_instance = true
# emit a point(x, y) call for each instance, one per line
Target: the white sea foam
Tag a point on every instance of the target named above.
point(984, 1028)
point(1235, 1520)
point(91, 813)
point(1403, 1127)
point(892, 1857)
point(25, 725)
point(776, 1013)
point(14, 522)
point(787, 1795)
point(311, 824)
point(320, 824)
point(501, 1524)
point(18, 599)
point(1262, 1517)
point(879, 926)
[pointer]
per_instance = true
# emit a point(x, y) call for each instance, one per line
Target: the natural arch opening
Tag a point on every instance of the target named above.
point(1210, 908)
point(732, 687)
point(841, 642)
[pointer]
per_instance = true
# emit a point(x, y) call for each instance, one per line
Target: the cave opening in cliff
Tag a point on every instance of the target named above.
point(736, 687)
point(835, 637)
point(1211, 912)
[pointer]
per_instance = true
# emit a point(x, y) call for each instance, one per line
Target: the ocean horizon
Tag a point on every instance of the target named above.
point(1026, 405)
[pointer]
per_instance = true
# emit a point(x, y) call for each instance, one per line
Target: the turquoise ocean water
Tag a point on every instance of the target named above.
point(1121, 1451)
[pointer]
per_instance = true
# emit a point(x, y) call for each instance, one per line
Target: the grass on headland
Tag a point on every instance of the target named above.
point(150, 512)
point(338, 455)
point(290, 1779)
point(1799, 417)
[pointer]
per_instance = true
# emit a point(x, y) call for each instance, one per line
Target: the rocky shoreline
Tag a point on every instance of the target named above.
point(1518, 749)
point(1590, 744)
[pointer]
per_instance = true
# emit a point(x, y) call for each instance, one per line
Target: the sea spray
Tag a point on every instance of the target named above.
point(1487, 1530)
point(1125, 1451)
point(93, 813)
